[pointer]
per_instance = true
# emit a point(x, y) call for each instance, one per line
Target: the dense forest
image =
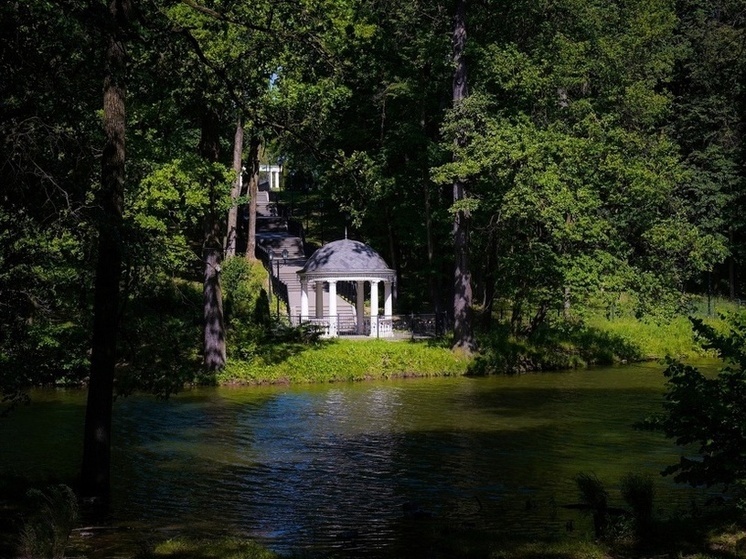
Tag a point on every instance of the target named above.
point(532, 157)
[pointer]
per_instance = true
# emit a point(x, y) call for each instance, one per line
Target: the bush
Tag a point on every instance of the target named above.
point(709, 412)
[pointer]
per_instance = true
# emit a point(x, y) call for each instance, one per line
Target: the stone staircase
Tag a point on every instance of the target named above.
point(272, 236)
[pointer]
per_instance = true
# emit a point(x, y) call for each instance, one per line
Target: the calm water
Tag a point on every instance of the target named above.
point(395, 467)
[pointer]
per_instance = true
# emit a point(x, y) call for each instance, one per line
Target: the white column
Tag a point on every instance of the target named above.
point(388, 301)
point(319, 299)
point(386, 329)
point(374, 309)
point(332, 309)
point(360, 306)
point(303, 300)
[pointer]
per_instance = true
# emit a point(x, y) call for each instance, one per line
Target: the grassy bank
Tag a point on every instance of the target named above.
point(595, 341)
point(344, 360)
point(555, 346)
point(654, 340)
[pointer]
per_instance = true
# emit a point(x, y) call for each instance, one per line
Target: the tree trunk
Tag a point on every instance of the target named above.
point(731, 267)
point(463, 330)
point(232, 226)
point(215, 353)
point(394, 260)
point(95, 470)
point(490, 279)
point(253, 190)
point(432, 272)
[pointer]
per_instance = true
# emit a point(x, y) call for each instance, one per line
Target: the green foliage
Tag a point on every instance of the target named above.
point(160, 338)
point(46, 531)
point(246, 306)
point(167, 210)
point(708, 414)
point(563, 148)
point(709, 115)
point(43, 336)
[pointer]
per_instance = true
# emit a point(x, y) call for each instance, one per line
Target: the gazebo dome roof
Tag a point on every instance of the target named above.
point(346, 258)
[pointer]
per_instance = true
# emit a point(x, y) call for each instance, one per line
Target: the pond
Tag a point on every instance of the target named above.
point(374, 469)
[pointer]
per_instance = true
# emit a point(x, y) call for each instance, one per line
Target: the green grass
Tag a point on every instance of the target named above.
point(565, 344)
point(225, 548)
point(653, 340)
point(344, 360)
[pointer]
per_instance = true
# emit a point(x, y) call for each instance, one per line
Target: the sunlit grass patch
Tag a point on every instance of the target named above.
point(654, 340)
point(346, 360)
point(729, 539)
point(564, 549)
point(225, 548)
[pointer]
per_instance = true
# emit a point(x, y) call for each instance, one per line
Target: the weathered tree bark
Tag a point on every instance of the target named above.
point(463, 328)
point(215, 353)
point(232, 226)
point(95, 470)
point(253, 163)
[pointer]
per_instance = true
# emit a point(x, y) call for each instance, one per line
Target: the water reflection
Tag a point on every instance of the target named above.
point(393, 467)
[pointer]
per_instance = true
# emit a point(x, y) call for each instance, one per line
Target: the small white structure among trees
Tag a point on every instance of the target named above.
point(272, 174)
point(348, 261)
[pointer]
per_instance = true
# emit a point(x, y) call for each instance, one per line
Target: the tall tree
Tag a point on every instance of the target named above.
point(214, 323)
point(463, 327)
point(232, 225)
point(95, 472)
point(709, 122)
point(253, 161)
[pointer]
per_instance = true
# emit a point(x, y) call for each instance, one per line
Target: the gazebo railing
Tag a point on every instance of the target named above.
point(396, 326)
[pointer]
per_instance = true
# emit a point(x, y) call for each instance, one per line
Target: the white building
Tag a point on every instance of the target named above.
point(273, 174)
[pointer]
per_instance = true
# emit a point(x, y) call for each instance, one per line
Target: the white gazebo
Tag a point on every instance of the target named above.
point(348, 261)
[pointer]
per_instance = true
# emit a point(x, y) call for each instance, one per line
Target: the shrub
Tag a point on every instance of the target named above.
point(638, 492)
point(594, 496)
point(47, 529)
point(246, 306)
